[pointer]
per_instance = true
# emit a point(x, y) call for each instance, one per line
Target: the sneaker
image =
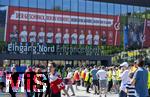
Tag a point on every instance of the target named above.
point(73, 95)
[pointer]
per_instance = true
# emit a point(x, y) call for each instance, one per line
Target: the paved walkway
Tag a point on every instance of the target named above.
point(82, 93)
point(79, 93)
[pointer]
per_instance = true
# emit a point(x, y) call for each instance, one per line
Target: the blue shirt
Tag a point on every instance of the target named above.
point(93, 72)
point(21, 68)
point(141, 78)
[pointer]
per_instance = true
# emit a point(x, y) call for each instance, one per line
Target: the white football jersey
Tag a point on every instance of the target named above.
point(89, 39)
point(96, 39)
point(41, 37)
point(50, 37)
point(66, 38)
point(82, 39)
point(32, 36)
point(58, 38)
point(23, 36)
point(74, 37)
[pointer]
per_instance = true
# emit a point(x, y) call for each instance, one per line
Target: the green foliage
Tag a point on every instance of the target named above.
point(2, 46)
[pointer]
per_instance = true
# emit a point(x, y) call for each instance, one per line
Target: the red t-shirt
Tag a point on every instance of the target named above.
point(57, 85)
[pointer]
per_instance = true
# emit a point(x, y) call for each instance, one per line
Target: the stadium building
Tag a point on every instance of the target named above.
point(71, 32)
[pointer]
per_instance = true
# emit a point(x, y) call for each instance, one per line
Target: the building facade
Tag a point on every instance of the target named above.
point(74, 28)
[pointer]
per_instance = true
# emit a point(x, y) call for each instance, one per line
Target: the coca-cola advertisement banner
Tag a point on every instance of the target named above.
point(59, 27)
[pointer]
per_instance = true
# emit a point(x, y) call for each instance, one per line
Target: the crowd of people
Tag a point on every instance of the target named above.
point(127, 80)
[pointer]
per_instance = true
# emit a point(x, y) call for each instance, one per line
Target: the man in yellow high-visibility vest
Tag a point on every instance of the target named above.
point(88, 80)
point(118, 73)
point(109, 78)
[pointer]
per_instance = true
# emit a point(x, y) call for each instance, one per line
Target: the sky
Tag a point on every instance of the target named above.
point(76, 6)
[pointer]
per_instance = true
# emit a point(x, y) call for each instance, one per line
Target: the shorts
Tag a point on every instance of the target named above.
point(114, 82)
point(122, 94)
point(118, 82)
point(103, 83)
point(2, 84)
point(95, 82)
point(78, 83)
point(67, 81)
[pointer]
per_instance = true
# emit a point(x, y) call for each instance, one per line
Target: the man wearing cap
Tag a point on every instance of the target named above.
point(124, 79)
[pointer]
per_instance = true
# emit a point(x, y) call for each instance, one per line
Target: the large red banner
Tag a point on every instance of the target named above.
point(38, 25)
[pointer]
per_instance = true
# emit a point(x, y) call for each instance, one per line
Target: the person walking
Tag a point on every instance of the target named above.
point(140, 79)
point(14, 86)
point(38, 78)
point(130, 89)
point(124, 79)
point(76, 78)
point(94, 79)
point(29, 75)
point(69, 82)
point(102, 76)
point(56, 83)
point(109, 78)
point(83, 77)
point(88, 80)
point(47, 93)
point(114, 79)
point(118, 73)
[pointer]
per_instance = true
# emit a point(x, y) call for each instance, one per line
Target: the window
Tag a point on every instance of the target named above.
point(117, 9)
point(33, 3)
point(74, 5)
point(66, 5)
point(104, 8)
point(111, 9)
point(58, 5)
point(82, 5)
point(96, 7)
point(50, 4)
point(89, 7)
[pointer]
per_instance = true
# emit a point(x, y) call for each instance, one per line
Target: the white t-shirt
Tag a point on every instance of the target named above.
point(66, 38)
point(85, 70)
point(53, 77)
point(70, 75)
point(114, 75)
point(81, 39)
point(58, 38)
point(74, 37)
point(101, 75)
point(50, 37)
point(89, 39)
point(96, 39)
point(32, 36)
point(125, 79)
point(41, 37)
point(23, 36)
